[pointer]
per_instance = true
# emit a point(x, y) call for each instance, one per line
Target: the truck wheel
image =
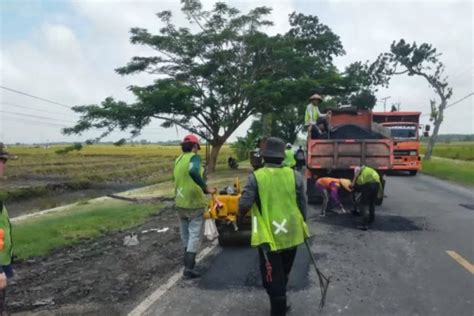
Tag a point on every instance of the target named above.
point(229, 238)
point(379, 201)
point(413, 172)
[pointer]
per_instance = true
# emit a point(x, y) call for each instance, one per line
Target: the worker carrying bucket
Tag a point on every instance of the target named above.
point(276, 197)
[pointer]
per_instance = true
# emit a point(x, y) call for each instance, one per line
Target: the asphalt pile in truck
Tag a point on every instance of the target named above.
point(350, 131)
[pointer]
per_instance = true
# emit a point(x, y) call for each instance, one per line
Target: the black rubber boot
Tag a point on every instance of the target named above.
point(278, 306)
point(189, 263)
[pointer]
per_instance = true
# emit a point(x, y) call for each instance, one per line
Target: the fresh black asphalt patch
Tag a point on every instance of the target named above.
point(239, 267)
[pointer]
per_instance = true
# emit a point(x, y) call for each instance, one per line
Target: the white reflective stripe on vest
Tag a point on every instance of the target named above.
point(280, 227)
point(254, 224)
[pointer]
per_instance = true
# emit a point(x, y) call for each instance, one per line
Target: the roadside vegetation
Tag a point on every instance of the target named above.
point(452, 161)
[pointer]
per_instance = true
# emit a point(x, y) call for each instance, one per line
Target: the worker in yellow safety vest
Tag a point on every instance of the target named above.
point(190, 200)
point(367, 183)
point(275, 196)
point(312, 113)
point(6, 251)
point(290, 160)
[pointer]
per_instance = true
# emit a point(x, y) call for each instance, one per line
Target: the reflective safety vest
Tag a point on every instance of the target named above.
point(311, 114)
point(6, 245)
point(367, 175)
point(187, 193)
point(289, 160)
point(278, 222)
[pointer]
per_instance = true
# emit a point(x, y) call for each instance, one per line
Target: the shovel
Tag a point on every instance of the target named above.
point(323, 280)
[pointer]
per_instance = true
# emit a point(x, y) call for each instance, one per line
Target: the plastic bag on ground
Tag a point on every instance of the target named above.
point(210, 229)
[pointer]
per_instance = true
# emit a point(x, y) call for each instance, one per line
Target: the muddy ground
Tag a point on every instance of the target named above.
point(100, 276)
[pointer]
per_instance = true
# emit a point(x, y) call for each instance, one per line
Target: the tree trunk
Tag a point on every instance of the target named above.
point(211, 164)
point(437, 124)
point(267, 121)
point(433, 138)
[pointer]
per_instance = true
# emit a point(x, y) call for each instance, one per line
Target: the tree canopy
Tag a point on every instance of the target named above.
point(210, 80)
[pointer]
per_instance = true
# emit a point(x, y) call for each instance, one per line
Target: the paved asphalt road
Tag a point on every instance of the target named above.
point(399, 267)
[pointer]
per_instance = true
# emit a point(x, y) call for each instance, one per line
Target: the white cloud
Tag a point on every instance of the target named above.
point(71, 57)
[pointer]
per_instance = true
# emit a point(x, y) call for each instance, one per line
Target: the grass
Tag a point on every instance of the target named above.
point(450, 169)
point(455, 150)
point(39, 236)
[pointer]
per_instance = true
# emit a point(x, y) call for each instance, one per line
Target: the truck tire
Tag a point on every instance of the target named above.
point(413, 172)
point(379, 201)
point(312, 193)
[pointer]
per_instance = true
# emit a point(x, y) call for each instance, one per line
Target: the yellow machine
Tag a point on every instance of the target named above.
point(224, 209)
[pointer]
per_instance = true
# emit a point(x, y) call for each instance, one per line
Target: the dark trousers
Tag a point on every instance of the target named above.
point(281, 263)
point(300, 164)
point(368, 197)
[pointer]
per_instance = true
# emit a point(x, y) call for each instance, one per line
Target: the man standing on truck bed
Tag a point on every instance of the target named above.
point(367, 182)
point(312, 112)
point(275, 194)
point(190, 190)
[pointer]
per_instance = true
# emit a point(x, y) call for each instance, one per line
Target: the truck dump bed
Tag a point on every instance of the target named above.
point(355, 140)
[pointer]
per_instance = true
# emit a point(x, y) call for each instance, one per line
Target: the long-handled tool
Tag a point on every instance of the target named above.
point(323, 280)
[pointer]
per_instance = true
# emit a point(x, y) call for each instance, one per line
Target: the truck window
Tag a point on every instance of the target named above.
point(403, 131)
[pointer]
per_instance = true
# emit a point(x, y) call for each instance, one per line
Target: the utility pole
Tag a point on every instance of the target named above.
point(385, 103)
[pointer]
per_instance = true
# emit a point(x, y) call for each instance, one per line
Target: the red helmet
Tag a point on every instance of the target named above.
point(191, 138)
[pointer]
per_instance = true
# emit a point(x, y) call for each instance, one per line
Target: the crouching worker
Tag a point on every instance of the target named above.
point(190, 200)
point(276, 197)
point(329, 188)
point(6, 248)
point(366, 182)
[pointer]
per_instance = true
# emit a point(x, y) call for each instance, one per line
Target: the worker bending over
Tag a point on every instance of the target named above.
point(290, 160)
point(190, 190)
point(276, 197)
point(329, 188)
point(367, 182)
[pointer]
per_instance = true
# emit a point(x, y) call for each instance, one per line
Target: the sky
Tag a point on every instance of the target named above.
point(66, 52)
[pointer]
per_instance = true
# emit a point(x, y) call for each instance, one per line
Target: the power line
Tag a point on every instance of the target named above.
point(35, 97)
point(36, 109)
point(35, 116)
point(33, 121)
point(454, 103)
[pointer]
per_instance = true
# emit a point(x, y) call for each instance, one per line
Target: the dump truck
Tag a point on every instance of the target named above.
point(354, 139)
point(405, 132)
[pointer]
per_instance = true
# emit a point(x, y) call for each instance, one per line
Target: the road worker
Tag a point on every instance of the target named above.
point(290, 160)
point(300, 158)
point(366, 182)
point(6, 249)
point(312, 113)
point(329, 188)
point(275, 195)
point(190, 190)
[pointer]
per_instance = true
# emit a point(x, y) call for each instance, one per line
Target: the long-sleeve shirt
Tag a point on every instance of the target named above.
point(194, 168)
point(309, 117)
point(250, 193)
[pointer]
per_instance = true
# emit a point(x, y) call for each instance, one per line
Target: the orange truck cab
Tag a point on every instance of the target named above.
point(404, 129)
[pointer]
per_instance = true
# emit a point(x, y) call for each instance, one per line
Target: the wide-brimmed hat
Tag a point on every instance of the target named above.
point(346, 184)
point(316, 97)
point(274, 148)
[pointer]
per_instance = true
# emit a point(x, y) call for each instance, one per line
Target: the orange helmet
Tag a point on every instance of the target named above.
point(191, 138)
point(316, 97)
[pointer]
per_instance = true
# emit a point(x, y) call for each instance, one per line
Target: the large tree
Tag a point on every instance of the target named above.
point(423, 61)
point(211, 80)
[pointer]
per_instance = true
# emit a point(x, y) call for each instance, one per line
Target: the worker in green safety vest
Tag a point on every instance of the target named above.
point(312, 114)
point(290, 160)
point(190, 200)
point(6, 250)
point(367, 182)
point(275, 196)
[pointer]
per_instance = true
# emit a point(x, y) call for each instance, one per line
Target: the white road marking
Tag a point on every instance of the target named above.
point(141, 308)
